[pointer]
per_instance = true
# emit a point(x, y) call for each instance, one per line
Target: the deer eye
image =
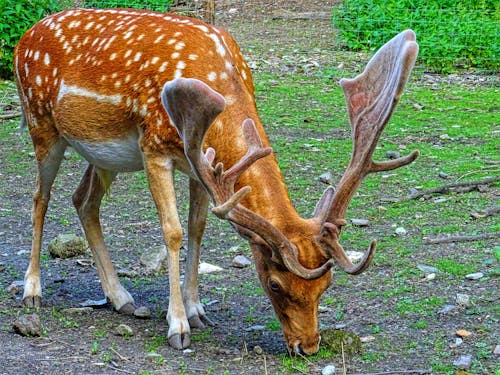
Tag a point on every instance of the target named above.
point(274, 286)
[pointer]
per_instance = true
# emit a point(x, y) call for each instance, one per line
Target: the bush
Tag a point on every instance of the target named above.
point(17, 16)
point(451, 34)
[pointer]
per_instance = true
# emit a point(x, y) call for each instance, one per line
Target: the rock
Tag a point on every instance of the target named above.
point(94, 303)
point(458, 341)
point(240, 261)
point(15, 287)
point(257, 327)
point(463, 333)
point(124, 330)
point(326, 178)
point(392, 154)
point(463, 362)
point(400, 231)
point(444, 175)
point(208, 268)
point(258, 350)
point(474, 276)
point(360, 222)
point(142, 312)
point(496, 350)
point(463, 299)
point(446, 309)
point(430, 276)
point(338, 340)
point(354, 256)
point(28, 325)
point(155, 259)
point(427, 269)
point(368, 338)
point(67, 246)
point(188, 351)
point(328, 370)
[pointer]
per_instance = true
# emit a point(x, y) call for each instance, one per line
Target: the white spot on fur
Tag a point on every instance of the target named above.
point(36, 55)
point(212, 76)
point(175, 55)
point(46, 59)
point(193, 57)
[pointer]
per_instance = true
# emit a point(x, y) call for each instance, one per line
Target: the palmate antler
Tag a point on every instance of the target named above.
point(371, 98)
point(192, 107)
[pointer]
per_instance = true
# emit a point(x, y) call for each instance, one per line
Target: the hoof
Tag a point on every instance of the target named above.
point(179, 341)
point(200, 322)
point(32, 301)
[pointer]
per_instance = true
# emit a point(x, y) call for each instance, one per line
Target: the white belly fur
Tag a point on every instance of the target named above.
point(119, 156)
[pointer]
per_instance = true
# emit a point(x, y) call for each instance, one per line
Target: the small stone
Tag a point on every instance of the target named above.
point(446, 309)
point(496, 350)
point(400, 231)
point(444, 175)
point(142, 312)
point(28, 325)
point(240, 261)
point(188, 351)
point(463, 362)
point(463, 299)
point(430, 276)
point(94, 303)
point(392, 154)
point(208, 268)
point(354, 256)
point(458, 341)
point(15, 287)
point(257, 327)
point(155, 259)
point(323, 309)
point(328, 370)
point(326, 178)
point(427, 269)
point(124, 330)
point(463, 333)
point(474, 276)
point(444, 136)
point(360, 222)
point(67, 246)
point(258, 350)
point(368, 338)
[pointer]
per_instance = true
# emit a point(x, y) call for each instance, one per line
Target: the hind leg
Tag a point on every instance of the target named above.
point(87, 200)
point(49, 161)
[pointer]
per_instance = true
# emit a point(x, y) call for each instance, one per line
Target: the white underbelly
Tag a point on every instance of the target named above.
point(119, 155)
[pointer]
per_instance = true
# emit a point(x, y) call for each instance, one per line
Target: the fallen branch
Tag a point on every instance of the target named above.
point(396, 372)
point(490, 211)
point(9, 116)
point(443, 189)
point(463, 238)
point(289, 16)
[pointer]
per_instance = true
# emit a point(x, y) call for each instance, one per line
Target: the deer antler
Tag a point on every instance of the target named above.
point(192, 107)
point(371, 98)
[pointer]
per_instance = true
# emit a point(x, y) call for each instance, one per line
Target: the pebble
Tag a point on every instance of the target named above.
point(240, 261)
point(204, 268)
point(474, 276)
point(463, 299)
point(368, 338)
point(360, 222)
point(463, 362)
point(326, 178)
point(446, 309)
point(427, 269)
point(400, 231)
point(458, 341)
point(496, 351)
point(67, 246)
point(142, 312)
point(28, 325)
point(328, 370)
point(257, 327)
point(354, 256)
point(153, 357)
point(258, 350)
point(392, 154)
point(463, 333)
point(430, 276)
point(188, 351)
point(124, 330)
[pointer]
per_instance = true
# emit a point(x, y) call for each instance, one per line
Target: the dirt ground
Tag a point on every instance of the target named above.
point(85, 343)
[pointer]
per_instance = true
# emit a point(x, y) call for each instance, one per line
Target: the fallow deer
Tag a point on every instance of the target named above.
point(100, 81)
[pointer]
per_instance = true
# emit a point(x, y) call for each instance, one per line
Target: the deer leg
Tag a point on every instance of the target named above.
point(160, 173)
point(198, 207)
point(87, 200)
point(48, 166)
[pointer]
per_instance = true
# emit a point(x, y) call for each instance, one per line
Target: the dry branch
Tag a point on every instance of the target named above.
point(443, 189)
point(9, 116)
point(490, 211)
point(463, 238)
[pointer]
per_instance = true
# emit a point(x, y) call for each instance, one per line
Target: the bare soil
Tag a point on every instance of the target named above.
point(284, 37)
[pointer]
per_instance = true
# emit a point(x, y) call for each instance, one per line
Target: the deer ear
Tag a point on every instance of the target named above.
point(190, 101)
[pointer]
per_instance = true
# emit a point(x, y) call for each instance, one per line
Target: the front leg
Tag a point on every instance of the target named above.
point(160, 173)
point(198, 206)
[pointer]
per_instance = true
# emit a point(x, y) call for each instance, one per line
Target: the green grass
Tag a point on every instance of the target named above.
point(453, 267)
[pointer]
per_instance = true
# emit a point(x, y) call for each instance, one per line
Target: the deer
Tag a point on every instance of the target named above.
point(134, 90)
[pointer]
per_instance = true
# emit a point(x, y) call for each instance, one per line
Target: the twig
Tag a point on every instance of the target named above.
point(476, 172)
point(118, 354)
point(9, 116)
point(490, 211)
point(265, 365)
point(463, 238)
point(344, 370)
point(446, 188)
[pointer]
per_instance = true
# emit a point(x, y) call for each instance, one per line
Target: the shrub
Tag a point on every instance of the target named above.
point(17, 16)
point(451, 34)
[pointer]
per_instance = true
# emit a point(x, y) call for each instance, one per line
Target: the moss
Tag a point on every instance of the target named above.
point(337, 340)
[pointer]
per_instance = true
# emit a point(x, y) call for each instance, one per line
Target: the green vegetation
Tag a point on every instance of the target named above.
point(17, 16)
point(451, 34)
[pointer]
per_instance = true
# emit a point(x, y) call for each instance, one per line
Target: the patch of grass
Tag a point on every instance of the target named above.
point(422, 307)
point(453, 267)
point(202, 336)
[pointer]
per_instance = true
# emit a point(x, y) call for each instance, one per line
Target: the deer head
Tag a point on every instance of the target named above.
point(294, 256)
